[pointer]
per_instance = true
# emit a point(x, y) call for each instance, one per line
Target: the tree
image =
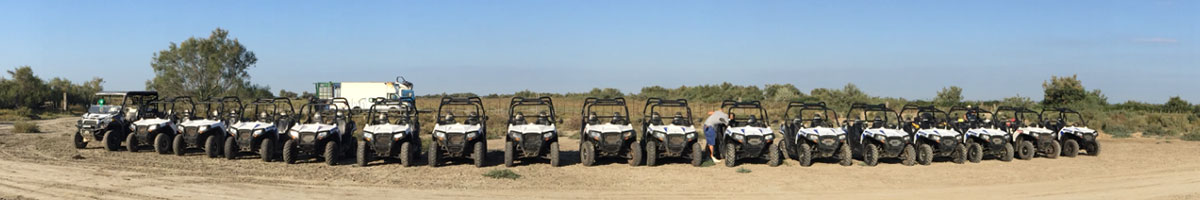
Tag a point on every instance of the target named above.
point(782, 92)
point(24, 89)
point(204, 67)
point(1069, 90)
point(287, 94)
point(949, 96)
point(1176, 104)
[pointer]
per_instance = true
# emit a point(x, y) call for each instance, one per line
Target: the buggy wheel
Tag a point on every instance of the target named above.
point(1007, 155)
point(651, 153)
point(554, 159)
point(131, 142)
point(79, 143)
point(289, 152)
point(331, 152)
point(1070, 148)
point(635, 154)
point(434, 156)
point(361, 156)
point(210, 146)
point(265, 150)
point(804, 154)
point(587, 153)
point(975, 152)
point(773, 152)
point(697, 154)
point(406, 153)
point(1026, 150)
point(871, 156)
point(509, 150)
point(1055, 149)
point(162, 145)
point(1093, 149)
point(924, 154)
point(910, 155)
point(111, 141)
point(176, 145)
point(845, 155)
point(480, 154)
point(959, 154)
point(231, 148)
point(730, 154)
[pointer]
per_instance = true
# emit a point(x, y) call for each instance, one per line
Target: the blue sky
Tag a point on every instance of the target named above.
point(1132, 50)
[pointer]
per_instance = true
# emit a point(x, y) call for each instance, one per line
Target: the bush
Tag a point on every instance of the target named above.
point(1194, 136)
point(1118, 130)
point(25, 127)
point(743, 170)
point(1156, 131)
point(502, 173)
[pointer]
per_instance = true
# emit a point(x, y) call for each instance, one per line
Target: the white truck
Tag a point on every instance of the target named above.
point(361, 94)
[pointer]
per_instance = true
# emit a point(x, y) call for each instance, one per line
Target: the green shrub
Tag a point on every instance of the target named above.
point(1118, 130)
point(1194, 136)
point(502, 173)
point(743, 170)
point(1152, 130)
point(25, 127)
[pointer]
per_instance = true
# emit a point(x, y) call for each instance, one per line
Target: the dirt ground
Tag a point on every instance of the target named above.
point(45, 166)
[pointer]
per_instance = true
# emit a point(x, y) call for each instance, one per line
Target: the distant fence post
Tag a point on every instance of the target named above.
point(64, 101)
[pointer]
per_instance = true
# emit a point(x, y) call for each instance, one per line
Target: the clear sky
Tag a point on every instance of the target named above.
point(1132, 50)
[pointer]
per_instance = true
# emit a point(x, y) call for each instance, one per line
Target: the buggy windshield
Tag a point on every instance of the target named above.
point(104, 109)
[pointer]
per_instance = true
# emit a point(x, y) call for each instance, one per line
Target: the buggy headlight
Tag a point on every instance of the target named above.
point(907, 138)
point(152, 128)
point(986, 137)
point(812, 137)
point(958, 137)
point(628, 134)
point(547, 135)
point(841, 137)
point(935, 139)
point(691, 136)
point(594, 134)
point(257, 132)
point(439, 134)
point(399, 136)
point(739, 137)
point(132, 127)
point(769, 137)
point(514, 135)
point(660, 135)
point(203, 128)
point(322, 134)
point(368, 135)
point(880, 137)
point(471, 135)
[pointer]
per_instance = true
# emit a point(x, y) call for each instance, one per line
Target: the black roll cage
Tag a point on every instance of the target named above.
point(408, 111)
point(531, 102)
point(867, 108)
point(730, 105)
point(923, 109)
point(653, 103)
point(335, 104)
point(1063, 113)
point(593, 101)
point(462, 101)
point(803, 106)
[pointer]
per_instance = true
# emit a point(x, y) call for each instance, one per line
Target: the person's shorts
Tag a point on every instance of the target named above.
point(710, 135)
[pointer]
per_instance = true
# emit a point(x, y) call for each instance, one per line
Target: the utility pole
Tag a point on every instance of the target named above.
point(64, 102)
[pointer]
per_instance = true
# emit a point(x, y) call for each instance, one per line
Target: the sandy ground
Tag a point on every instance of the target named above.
point(45, 166)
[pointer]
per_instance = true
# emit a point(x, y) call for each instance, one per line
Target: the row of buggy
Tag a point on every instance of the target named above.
point(920, 134)
point(323, 130)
